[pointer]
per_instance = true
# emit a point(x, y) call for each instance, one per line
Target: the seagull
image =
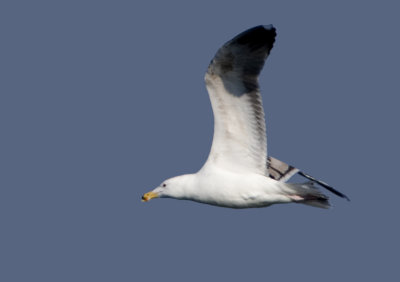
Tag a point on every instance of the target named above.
point(238, 174)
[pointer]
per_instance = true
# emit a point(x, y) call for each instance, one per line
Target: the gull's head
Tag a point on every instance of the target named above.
point(170, 188)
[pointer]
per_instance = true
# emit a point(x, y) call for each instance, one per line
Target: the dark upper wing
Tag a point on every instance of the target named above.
point(281, 171)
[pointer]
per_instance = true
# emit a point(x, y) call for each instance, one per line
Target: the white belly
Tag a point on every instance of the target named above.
point(226, 189)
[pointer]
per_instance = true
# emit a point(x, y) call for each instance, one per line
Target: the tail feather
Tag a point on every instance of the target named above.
point(307, 194)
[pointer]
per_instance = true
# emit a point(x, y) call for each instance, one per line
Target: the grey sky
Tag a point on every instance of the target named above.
point(102, 100)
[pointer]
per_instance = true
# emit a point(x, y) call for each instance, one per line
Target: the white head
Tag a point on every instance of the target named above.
point(174, 187)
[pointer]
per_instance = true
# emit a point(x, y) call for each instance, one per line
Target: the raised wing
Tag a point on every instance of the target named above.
point(239, 142)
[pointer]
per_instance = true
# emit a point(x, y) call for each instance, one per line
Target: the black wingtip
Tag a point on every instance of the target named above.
point(258, 36)
point(326, 186)
point(240, 60)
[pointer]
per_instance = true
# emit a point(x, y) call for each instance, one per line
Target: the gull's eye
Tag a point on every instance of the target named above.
point(164, 185)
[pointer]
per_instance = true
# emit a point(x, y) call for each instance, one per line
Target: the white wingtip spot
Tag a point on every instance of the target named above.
point(268, 26)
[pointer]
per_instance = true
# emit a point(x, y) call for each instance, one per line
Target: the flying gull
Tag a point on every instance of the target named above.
point(238, 173)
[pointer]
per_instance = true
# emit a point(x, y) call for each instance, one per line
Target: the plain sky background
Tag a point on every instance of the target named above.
point(100, 101)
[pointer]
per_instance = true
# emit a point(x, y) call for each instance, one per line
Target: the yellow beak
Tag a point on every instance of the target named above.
point(148, 196)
